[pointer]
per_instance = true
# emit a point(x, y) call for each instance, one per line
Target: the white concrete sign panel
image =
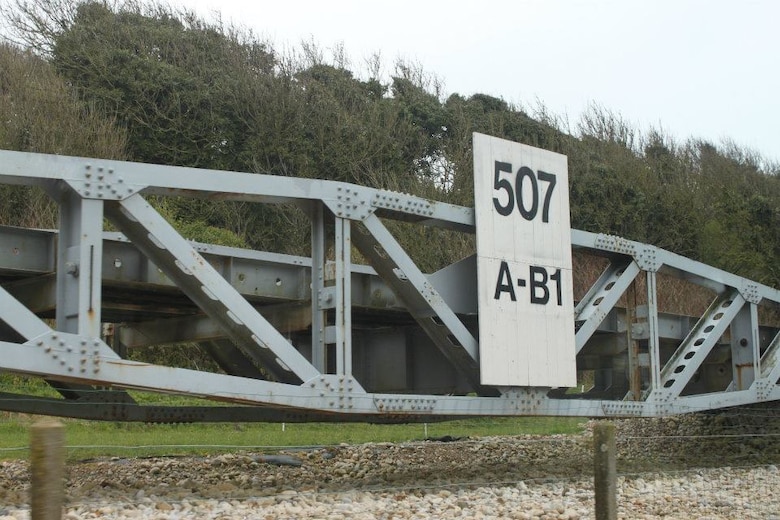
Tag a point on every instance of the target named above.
point(526, 303)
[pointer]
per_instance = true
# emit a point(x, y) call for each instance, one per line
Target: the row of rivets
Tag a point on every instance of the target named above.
point(404, 404)
point(98, 182)
point(413, 206)
point(616, 244)
point(751, 293)
point(63, 348)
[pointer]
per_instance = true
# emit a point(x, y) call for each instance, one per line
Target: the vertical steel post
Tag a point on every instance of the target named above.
point(653, 341)
point(745, 347)
point(318, 314)
point(343, 297)
point(634, 370)
point(79, 267)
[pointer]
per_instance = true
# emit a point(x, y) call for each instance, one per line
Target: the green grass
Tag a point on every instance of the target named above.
point(87, 439)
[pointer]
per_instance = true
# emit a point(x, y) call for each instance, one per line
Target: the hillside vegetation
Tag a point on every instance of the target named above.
point(145, 82)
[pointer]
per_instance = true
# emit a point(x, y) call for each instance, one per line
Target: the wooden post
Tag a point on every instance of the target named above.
point(47, 470)
point(605, 473)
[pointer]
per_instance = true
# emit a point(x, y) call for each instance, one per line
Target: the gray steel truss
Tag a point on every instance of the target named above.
point(322, 338)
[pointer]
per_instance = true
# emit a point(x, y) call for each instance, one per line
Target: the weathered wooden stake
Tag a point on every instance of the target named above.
point(47, 470)
point(605, 473)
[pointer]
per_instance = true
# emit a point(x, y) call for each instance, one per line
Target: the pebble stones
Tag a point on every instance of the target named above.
point(529, 478)
point(723, 493)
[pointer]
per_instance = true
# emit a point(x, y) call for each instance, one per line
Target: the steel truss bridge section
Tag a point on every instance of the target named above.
point(321, 338)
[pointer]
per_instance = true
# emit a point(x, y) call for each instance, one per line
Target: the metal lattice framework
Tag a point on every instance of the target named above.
point(321, 338)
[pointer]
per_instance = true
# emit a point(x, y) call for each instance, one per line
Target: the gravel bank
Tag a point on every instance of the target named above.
point(723, 493)
point(498, 477)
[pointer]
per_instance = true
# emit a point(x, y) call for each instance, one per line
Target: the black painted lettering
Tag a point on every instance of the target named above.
point(500, 184)
point(527, 194)
point(551, 180)
point(558, 291)
point(538, 282)
point(504, 283)
point(528, 213)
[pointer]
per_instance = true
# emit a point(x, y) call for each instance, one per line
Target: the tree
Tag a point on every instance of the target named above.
point(203, 94)
point(40, 113)
point(174, 82)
